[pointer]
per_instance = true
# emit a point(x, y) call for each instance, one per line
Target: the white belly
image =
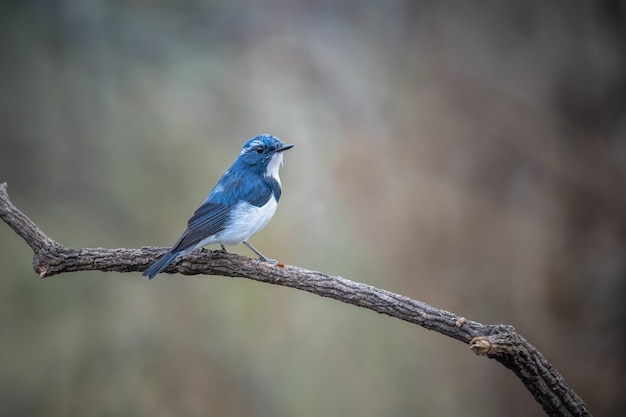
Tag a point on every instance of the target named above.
point(246, 221)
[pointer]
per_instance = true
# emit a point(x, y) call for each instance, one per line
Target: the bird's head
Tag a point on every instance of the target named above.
point(265, 152)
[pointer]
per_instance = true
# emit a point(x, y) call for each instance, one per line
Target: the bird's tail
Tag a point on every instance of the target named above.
point(160, 265)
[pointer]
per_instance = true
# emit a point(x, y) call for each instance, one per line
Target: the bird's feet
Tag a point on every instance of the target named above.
point(264, 259)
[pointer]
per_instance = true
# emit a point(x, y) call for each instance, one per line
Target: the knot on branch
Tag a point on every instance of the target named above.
point(46, 260)
point(502, 340)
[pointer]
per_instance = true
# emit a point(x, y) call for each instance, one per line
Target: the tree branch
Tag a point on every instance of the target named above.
point(500, 342)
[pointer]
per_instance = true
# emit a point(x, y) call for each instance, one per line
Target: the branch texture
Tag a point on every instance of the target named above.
point(499, 342)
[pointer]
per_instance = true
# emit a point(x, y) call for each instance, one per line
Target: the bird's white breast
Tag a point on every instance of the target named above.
point(245, 221)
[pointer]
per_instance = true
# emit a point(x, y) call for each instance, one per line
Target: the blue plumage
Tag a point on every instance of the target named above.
point(242, 202)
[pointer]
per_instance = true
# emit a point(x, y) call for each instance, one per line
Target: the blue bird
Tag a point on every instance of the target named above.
point(242, 202)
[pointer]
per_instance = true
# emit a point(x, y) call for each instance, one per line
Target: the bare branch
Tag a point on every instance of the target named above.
point(500, 342)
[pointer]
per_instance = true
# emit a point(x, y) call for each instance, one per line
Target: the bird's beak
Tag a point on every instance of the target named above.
point(284, 147)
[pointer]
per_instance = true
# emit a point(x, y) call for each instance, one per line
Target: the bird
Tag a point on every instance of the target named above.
point(242, 202)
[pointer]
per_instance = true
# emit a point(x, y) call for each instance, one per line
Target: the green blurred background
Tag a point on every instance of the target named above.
point(471, 155)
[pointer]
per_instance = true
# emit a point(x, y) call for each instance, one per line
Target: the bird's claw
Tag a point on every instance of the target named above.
point(264, 259)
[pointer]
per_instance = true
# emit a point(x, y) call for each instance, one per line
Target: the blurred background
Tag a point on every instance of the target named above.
point(471, 155)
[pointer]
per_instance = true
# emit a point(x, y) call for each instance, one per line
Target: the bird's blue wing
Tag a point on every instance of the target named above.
point(209, 219)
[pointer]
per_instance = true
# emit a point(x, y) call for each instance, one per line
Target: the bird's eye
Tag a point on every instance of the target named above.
point(260, 149)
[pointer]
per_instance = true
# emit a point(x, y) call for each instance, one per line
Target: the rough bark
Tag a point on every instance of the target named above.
point(500, 342)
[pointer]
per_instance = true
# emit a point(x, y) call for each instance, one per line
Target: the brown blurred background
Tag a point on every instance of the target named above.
point(471, 155)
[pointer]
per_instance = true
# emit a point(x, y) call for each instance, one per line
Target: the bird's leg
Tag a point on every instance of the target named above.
point(204, 250)
point(261, 257)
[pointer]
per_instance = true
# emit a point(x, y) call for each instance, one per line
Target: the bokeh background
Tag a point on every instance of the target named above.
point(471, 155)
